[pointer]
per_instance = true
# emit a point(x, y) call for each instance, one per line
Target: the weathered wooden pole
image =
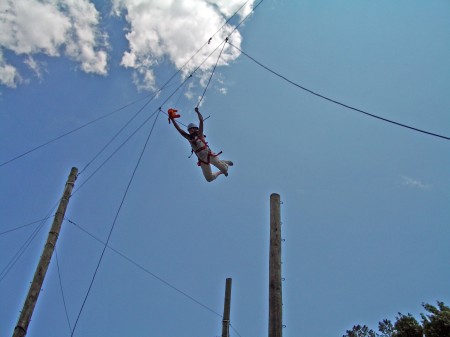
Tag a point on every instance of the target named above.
point(25, 316)
point(275, 293)
point(226, 310)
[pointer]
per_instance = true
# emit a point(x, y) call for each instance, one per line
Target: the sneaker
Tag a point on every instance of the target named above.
point(229, 162)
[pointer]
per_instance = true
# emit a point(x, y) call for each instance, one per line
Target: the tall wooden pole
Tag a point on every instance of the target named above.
point(226, 310)
point(275, 294)
point(25, 316)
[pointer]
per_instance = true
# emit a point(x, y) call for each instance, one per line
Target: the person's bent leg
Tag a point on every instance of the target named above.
point(220, 164)
point(209, 176)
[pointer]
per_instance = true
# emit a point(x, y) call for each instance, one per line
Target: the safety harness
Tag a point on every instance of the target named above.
point(194, 141)
point(204, 146)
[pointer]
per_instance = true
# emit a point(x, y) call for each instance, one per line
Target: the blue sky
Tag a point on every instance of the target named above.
point(365, 203)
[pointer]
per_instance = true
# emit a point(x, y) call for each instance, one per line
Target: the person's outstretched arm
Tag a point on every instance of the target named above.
point(180, 130)
point(200, 119)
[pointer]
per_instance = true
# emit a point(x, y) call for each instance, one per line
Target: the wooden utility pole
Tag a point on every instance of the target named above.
point(226, 310)
point(275, 294)
point(25, 316)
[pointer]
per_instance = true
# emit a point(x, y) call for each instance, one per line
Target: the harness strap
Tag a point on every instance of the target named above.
point(210, 154)
point(204, 147)
point(201, 149)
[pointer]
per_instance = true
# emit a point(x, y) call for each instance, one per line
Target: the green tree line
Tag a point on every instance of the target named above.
point(434, 323)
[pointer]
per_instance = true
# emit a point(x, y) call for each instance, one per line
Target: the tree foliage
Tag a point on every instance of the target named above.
point(434, 324)
point(360, 331)
point(437, 323)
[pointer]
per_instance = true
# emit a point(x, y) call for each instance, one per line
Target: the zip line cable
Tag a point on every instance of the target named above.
point(23, 226)
point(19, 253)
point(114, 222)
point(147, 271)
point(71, 131)
point(113, 153)
point(337, 102)
point(24, 246)
point(28, 241)
point(247, 16)
point(237, 333)
point(204, 44)
point(223, 47)
point(229, 19)
point(212, 72)
point(217, 47)
point(144, 269)
point(62, 290)
point(182, 91)
point(207, 42)
point(118, 133)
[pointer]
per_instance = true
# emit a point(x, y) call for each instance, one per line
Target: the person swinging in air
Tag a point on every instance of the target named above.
point(200, 147)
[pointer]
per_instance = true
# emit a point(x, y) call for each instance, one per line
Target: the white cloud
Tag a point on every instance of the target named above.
point(35, 66)
point(174, 30)
point(223, 90)
point(406, 181)
point(221, 87)
point(171, 31)
point(31, 26)
point(8, 74)
point(49, 27)
point(85, 37)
